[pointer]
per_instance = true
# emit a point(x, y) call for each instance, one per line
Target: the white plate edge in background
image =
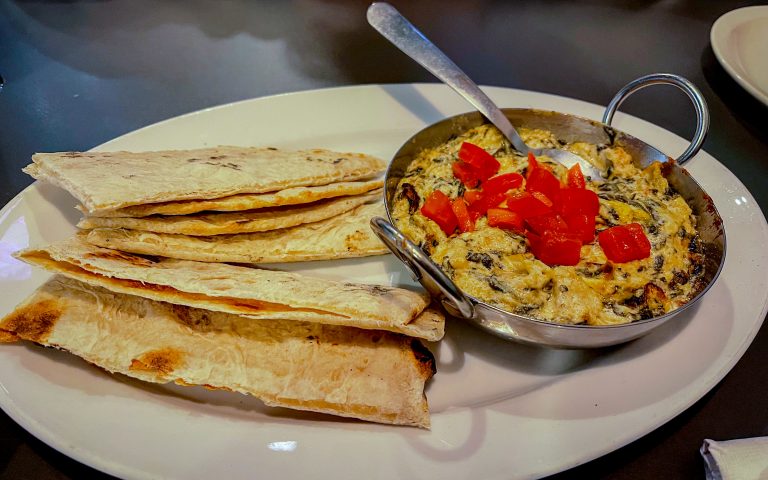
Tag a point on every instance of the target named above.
point(722, 46)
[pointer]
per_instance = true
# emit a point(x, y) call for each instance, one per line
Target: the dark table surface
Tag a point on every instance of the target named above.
point(80, 72)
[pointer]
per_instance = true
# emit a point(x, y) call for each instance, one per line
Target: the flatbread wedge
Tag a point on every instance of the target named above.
point(364, 374)
point(345, 236)
point(259, 220)
point(110, 180)
point(246, 201)
point(251, 292)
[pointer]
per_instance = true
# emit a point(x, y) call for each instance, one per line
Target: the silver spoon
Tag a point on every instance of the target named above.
point(398, 30)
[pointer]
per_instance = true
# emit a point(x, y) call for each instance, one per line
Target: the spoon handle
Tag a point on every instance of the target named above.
point(398, 30)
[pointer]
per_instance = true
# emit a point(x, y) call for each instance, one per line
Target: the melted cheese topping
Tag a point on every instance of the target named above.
point(496, 266)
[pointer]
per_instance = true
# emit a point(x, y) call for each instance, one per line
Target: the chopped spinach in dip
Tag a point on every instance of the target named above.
point(496, 266)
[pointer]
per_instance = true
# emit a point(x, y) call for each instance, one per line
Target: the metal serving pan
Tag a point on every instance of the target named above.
point(568, 128)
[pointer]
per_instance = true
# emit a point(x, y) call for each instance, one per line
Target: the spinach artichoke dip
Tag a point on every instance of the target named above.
point(552, 245)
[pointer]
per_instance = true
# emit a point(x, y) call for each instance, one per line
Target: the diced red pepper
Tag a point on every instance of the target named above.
point(575, 179)
point(641, 240)
point(578, 200)
point(625, 243)
point(483, 161)
point(642, 246)
point(617, 245)
point(471, 196)
point(527, 205)
point(543, 199)
point(437, 208)
point(581, 225)
point(486, 201)
point(555, 248)
point(543, 181)
point(503, 218)
point(532, 164)
point(468, 174)
point(502, 183)
point(549, 221)
point(466, 223)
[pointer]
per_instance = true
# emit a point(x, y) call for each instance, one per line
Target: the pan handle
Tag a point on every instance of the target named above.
point(702, 112)
point(424, 269)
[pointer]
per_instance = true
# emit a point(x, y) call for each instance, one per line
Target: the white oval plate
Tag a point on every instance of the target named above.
point(499, 410)
point(740, 42)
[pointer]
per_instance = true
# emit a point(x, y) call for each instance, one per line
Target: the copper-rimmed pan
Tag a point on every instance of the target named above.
point(569, 128)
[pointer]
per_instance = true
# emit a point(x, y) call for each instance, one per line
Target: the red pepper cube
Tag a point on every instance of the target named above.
point(555, 248)
point(486, 201)
point(615, 245)
point(527, 205)
point(483, 161)
point(503, 218)
point(550, 221)
point(578, 200)
point(468, 174)
point(437, 208)
point(575, 178)
point(472, 196)
point(532, 165)
point(463, 217)
point(543, 199)
point(625, 243)
point(534, 242)
point(581, 225)
point(543, 181)
point(642, 244)
point(502, 183)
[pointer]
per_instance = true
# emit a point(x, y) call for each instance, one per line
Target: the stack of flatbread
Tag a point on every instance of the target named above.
point(224, 204)
point(291, 340)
